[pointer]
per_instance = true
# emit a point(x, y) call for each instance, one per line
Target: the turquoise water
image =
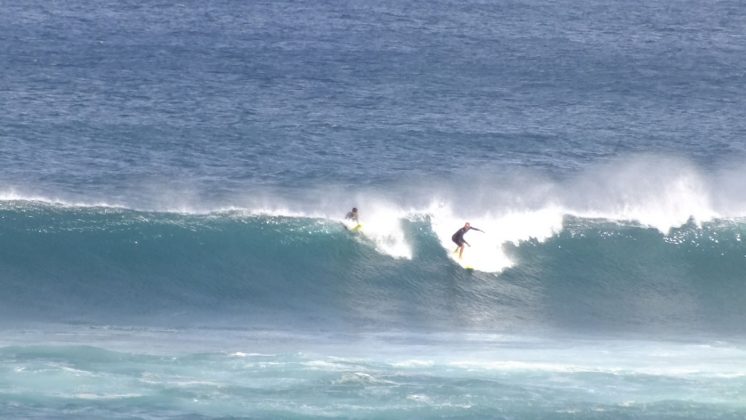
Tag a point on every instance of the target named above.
point(120, 313)
point(237, 270)
point(482, 376)
point(173, 179)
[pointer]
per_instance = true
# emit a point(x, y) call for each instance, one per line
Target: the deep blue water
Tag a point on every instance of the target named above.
point(110, 96)
point(173, 177)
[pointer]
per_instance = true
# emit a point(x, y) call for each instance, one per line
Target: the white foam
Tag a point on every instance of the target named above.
point(662, 193)
point(242, 354)
point(414, 363)
point(519, 365)
point(113, 396)
point(12, 194)
point(486, 253)
point(382, 225)
point(420, 398)
point(658, 192)
point(654, 191)
point(325, 365)
point(361, 378)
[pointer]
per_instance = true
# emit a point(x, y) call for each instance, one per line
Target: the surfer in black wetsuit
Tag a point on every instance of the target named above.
point(352, 215)
point(458, 238)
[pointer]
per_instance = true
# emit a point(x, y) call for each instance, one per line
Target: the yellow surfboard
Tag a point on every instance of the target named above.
point(462, 262)
point(352, 227)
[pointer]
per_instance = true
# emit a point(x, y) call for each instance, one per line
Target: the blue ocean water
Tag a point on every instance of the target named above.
point(174, 177)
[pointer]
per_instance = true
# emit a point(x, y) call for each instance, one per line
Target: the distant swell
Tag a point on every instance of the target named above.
point(107, 265)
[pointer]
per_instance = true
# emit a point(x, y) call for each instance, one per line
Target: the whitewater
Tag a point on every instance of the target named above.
point(273, 311)
point(174, 179)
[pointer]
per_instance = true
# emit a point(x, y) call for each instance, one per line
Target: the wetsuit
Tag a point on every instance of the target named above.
point(351, 216)
point(458, 237)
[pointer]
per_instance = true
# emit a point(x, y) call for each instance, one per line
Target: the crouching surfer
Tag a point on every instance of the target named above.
point(352, 215)
point(354, 223)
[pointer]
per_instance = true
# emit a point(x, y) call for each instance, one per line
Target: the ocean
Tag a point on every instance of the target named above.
point(174, 179)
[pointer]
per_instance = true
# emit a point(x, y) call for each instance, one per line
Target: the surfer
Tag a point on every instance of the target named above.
point(458, 238)
point(352, 215)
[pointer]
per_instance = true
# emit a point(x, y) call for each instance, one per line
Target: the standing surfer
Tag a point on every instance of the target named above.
point(458, 238)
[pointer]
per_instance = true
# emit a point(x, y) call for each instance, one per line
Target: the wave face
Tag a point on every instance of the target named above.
point(111, 265)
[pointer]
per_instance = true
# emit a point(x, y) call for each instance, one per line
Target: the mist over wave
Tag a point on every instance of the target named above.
point(511, 207)
point(109, 265)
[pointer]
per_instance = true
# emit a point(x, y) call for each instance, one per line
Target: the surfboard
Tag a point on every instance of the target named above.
point(353, 226)
point(466, 266)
